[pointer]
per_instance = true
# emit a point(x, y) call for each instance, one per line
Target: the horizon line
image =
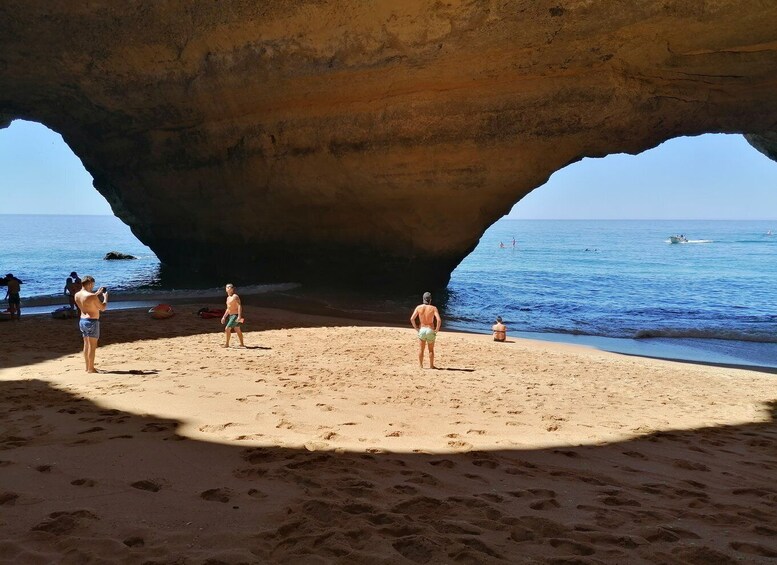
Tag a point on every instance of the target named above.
point(502, 218)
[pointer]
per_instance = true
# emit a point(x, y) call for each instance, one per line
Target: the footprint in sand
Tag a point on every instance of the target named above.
point(487, 463)
point(248, 437)
point(148, 485)
point(543, 492)
point(64, 522)
point(217, 427)
point(418, 549)
point(443, 463)
point(460, 445)
point(134, 541)
point(216, 495)
point(8, 498)
point(92, 430)
point(548, 504)
point(83, 483)
point(285, 424)
point(753, 549)
point(155, 427)
point(567, 452)
point(44, 468)
point(403, 489)
point(619, 501)
point(689, 465)
point(316, 446)
point(573, 547)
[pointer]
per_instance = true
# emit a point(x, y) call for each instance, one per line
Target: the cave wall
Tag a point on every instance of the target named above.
point(349, 141)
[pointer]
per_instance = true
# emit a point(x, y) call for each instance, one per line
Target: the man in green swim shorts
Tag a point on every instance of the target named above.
point(233, 315)
point(429, 321)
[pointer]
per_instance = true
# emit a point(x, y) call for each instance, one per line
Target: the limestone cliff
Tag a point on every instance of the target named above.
point(367, 141)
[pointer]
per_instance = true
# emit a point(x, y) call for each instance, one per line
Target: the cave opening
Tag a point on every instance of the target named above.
point(593, 261)
point(55, 221)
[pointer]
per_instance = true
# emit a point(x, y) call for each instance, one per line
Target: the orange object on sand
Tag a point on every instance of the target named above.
point(161, 311)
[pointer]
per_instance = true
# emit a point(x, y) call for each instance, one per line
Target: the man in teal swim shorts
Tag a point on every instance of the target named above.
point(429, 321)
point(233, 315)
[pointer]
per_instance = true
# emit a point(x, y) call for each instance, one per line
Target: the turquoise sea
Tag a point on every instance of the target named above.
point(616, 285)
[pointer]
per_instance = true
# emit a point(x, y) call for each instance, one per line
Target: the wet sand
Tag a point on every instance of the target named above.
point(324, 442)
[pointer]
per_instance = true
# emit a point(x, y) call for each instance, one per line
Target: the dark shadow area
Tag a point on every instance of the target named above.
point(466, 370)
point(82, 483)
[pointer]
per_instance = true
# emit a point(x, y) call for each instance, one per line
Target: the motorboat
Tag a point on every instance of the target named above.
point(678, 239)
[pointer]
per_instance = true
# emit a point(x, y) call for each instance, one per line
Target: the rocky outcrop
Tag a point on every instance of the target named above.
point(367, 141)
point(118, 256)
point(766, 144)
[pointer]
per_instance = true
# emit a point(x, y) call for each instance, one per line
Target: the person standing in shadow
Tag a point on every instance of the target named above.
point(12, 294)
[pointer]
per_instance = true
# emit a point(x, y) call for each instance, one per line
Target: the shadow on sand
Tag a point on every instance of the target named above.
point(82, 483)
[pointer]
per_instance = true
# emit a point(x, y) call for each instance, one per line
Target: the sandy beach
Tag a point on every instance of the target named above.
point(323, 442)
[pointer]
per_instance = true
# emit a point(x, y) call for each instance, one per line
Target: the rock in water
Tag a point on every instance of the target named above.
point(115, 256)
point(353, 141)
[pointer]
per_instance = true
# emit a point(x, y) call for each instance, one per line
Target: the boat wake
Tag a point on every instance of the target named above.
point(691, 241)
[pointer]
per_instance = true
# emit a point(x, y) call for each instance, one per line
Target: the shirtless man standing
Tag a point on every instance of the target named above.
point(90, 305)
point(233, 316)
point(430, 322)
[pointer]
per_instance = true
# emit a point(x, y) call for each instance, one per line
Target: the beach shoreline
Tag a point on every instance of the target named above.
point(290, 297)
point(323, 441)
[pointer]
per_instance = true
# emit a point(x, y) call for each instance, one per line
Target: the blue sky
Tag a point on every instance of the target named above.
point(705, 177)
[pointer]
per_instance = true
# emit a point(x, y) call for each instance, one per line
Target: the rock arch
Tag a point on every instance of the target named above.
point(368, 142)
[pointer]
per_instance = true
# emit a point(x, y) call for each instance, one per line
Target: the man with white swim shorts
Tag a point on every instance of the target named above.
point(429, 324)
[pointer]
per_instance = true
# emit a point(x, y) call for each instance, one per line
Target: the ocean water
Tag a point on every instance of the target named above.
point(574, 281)
point(43, 250)
point(623, 279)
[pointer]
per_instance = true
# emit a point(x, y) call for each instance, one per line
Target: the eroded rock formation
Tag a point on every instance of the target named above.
point(350, 140)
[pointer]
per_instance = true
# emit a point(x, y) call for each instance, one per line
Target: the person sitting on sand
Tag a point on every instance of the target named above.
point(12, 294)
point(90, 305)
point(233, 316)
point(430, 321)
point(499, 329)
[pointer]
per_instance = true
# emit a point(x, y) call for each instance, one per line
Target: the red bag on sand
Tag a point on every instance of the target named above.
point(207, 313)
